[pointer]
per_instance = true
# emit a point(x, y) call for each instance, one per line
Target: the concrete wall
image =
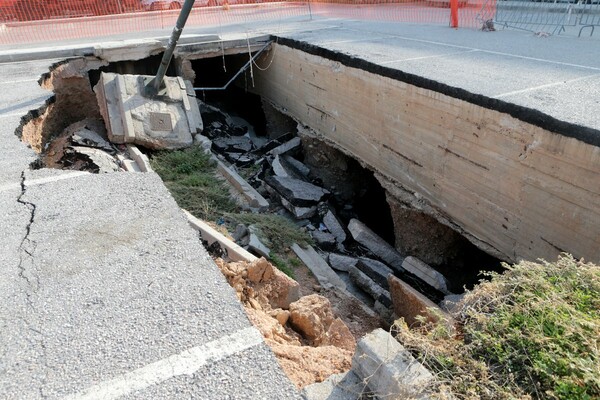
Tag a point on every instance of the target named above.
point(514, 189)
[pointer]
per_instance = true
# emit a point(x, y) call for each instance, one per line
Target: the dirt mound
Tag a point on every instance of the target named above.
point(308, 340)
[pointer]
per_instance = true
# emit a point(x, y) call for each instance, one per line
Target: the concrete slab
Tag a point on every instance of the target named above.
point(167, 121)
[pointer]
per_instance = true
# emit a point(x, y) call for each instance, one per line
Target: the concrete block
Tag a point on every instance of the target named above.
point(130, 166)
point(341, 262)
point(365, 283)
point(365, 236)
point(426, 273)
point(319, 267)
point(297, 192)
point(334, 226)
point(408, 303)
point(286, 147)
point(140, 158)
point(250, 194)
point(211, 235)
point(167, 121)
point(345, 386)
point(255, 245)
point(375, 270)
point(389, 370)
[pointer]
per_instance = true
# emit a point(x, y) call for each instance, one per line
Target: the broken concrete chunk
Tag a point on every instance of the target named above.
point(334, 226)
point(324, 240)
point(89, 138)
point(426, 273)
point(296, 165)
point(319, 267)
point(234, 144)
point(345, 386)
point(375, 270)
point(365, 283)
point(288, 146)
point(241, 232)
point(165, 122)
point(250, 194)
point(408, 303)
point(388, 368)
point(451, 302)
point(278, 168)
point(140, 158)
point(297, 192)
point(104, 161)
point(341, 263)
point(382, 249)
point(255, 245)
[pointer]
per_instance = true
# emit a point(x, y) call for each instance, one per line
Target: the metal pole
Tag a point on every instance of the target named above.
point(153, 86)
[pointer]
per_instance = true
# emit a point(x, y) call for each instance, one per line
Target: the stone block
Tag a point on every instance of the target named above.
point(341, 262)
point(365, 283)
point(382, 249)
point(319, 267)
point(334, 226)
point(408, 303)
point(254, 198)
point(297, 192)
point(389, 370)
point(375, 270)
point(426, 273)
point(344, 386)
point(167, 121)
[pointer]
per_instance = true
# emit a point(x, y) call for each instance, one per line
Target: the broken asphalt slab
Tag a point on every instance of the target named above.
point(103, 282)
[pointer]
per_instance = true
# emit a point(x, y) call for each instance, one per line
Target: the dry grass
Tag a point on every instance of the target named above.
point(531, 332)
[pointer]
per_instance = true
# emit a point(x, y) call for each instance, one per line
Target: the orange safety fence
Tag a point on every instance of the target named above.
point(467, 13)
point(34, 21)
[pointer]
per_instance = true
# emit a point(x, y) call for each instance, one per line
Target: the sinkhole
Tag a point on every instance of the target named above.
point(267, 106)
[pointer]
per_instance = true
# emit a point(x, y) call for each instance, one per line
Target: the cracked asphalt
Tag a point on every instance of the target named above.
point(102, 279)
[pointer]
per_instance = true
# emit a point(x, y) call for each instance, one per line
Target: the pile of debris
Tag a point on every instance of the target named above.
point(84, 146)
point(310, 343)
point(351, 258)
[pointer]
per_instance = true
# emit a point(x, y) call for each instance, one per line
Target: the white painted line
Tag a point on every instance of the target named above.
point(481, 50)
point(185, 363)
point(545, 86)
point(41, 181)
point(68, 175)
point(21, 114)
point(427, 57)
point(18, 81)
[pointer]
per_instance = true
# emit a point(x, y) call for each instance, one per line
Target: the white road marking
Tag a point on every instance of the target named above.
point(545, 86)
point(18, 81)
point(185, 363)
point(426, 57)
point(21, 114)
point(41, 181)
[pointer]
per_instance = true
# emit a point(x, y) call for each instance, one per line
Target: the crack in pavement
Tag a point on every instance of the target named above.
point(27, 249)
point(27, 246)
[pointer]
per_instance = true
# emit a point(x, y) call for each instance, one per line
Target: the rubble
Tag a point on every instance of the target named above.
point(288, 326)
point(365, 236)
point(297, 192)
point(426, 273)
point(389, 370)
point(409, 304)
point(319, 267)
point(324, 240)
point(287, 147)
point(334, 226)
point(153, 123)
point(341, 262)
point(375, 270)
point(367, 284)
point(255, 245)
